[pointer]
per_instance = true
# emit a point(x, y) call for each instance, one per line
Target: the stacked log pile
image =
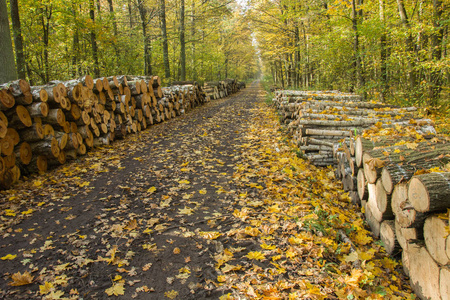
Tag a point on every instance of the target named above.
point(45, 126)
point(318, 120)
point(393, 165)
point(404, 187)
point(220, 89)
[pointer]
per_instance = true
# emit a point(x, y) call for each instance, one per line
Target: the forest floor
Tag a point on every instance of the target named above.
point(213, 204)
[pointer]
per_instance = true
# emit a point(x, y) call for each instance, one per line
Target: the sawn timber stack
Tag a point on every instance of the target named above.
point(394, 166)
point(45, 126)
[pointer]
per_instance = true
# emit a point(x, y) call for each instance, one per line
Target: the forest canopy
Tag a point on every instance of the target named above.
point(175, 39)
point(396, 50)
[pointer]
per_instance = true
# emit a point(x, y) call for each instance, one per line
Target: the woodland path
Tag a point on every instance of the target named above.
point(157, 215)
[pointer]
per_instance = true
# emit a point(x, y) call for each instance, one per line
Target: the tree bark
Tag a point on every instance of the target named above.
point(182, 44)
point(8, 69)
point(46, 15)
point(162, 7)
point(147, 44)
point(383, 55)
point(18, 39)
point(94, 40)
point(436, 53)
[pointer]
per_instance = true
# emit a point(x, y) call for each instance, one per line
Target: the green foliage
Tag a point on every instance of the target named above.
point(218, 41)
point(311, 45)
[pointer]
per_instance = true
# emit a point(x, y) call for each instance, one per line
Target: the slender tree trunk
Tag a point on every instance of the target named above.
point(383, 55)
point(194, 69)
point(8, 68)
point(226, 67)
point(76, 46)
point(436, 53)
point(182, 44)
point(94, 40)
point(147, 45)
point(18, 39)
point(162, 7)
point(281, 73)
point(46, 15)
point(113, 17)
point(409, 46)
point(357, 75)
point(297, 57)
point(130, 15)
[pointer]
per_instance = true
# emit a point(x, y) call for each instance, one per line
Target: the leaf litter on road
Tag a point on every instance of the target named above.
point(214, 204)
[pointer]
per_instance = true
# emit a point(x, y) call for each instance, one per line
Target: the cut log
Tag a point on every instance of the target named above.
point(430, 192)
point(24, 115)
point(25, 154)
point(409, 217)
point(435, 234)
point(406, 236)
point(7, 145)
point(7, 100)
point(324, 132)
point(424, 272)
point(444, 282)
point(55, 117)
point(370, 219)
point(372, 167)
point(399, 198)
point(387, 235)
point(38, 109)
point(383, 200)
point(402, 165)
point(10, 161)
point(14, 135)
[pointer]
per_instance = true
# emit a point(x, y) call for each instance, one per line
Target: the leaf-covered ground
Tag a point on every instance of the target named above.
point(214, 204)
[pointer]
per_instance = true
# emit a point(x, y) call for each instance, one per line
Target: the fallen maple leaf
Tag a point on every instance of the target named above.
point(54, 295)
point(252, 231)
point(46, 288)
point(116, 290)
point(151, 190)
point(132, 224)
point(256, 255)
point(21, 279)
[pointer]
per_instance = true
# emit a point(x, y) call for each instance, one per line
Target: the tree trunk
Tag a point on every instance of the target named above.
point(18, 39)
point(383, 55)
point(436, 53)
point(8, 69)
point(162, 7)
point(147, 45)
point(113, 17)
point(182, 44)
point(409, 45)
point(194, 69)
point(94, 40)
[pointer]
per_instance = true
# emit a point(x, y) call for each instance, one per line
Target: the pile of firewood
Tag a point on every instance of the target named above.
point(403, 184)
point(220, 89)
point(393, 165)
point(319, 120)
point(44, 126)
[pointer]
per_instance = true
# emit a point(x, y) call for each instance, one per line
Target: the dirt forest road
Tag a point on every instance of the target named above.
point(210, 205)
